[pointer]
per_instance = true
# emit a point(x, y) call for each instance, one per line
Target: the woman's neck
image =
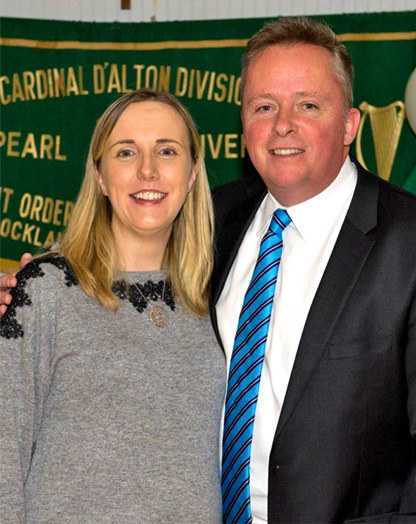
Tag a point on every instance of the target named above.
point(141, 254)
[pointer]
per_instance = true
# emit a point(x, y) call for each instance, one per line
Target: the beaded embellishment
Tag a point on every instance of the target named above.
point(9, 326)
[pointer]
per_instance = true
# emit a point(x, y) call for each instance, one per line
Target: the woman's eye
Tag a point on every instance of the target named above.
point(125, 153)
point(166, 151)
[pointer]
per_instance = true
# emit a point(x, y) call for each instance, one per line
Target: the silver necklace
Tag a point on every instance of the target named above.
point(158, 314)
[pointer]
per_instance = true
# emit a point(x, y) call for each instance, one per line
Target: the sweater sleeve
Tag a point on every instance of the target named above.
point(26, 335)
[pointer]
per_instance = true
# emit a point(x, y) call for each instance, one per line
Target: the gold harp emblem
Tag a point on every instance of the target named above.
point(386, 125)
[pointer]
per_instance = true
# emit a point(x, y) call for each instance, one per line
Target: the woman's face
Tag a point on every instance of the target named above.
point(146, 171)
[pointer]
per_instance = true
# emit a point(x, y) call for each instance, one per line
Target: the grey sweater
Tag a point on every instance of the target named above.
point(104, 417)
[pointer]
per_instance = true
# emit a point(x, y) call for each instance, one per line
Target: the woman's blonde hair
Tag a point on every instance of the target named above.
point(88, 243)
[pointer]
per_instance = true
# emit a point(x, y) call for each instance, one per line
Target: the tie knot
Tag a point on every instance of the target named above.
point(280, 220)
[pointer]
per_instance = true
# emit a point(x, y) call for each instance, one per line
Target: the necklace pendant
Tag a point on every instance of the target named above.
point(158, 316)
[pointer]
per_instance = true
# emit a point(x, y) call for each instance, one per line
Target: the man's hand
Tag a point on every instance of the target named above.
point(8, 281)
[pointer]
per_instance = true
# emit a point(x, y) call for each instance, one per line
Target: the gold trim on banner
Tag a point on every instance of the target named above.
point(9, 266)
point(123, 46)
point(376, 37)
point(177, 44)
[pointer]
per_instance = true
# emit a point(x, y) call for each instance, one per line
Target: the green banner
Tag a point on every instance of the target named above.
point(58, 77)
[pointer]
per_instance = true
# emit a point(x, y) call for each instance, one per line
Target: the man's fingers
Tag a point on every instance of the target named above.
point(26, 257)
point(10, 281)
point(5, 298)
point(6, 282)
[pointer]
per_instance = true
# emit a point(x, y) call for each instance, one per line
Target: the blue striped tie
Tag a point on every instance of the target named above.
point(245, 372)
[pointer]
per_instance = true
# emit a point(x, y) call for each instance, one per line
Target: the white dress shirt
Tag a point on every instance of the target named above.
point(307, 245)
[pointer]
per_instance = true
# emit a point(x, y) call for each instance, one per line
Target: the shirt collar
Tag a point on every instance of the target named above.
point(315, 216)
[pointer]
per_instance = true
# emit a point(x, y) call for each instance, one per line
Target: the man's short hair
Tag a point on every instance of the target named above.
point(303, 30)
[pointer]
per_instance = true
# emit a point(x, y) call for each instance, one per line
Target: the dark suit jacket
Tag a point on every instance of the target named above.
point(345, 442)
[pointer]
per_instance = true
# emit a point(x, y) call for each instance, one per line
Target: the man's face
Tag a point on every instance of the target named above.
point(293, 112)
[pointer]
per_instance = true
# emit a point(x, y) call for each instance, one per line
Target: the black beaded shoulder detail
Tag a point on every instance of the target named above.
point(62, 264)
point(9, 327)
point(151, 290)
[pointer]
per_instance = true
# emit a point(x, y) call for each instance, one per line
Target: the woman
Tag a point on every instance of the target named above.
point(111, 381)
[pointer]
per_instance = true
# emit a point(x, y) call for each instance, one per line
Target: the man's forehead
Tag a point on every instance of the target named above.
point(291, 54)
point(292, 72)
point(284, 47)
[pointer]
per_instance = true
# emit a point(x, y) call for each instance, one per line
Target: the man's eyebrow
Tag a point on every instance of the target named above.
point(311, 93)
point(261, 96)
point(265, 96)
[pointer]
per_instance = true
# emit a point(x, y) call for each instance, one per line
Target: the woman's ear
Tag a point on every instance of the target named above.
point(100, 180)
point(192, 177)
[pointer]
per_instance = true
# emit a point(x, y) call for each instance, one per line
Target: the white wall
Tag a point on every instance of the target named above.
point(170, 10)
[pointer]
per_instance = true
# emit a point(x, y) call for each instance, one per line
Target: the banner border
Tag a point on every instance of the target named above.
point(186, 44)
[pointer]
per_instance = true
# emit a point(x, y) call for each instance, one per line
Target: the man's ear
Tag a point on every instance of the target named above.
point(99, 178)
point(351, 126)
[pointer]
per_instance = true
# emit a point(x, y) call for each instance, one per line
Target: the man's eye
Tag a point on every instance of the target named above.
point(309, 105)
point(264, 109)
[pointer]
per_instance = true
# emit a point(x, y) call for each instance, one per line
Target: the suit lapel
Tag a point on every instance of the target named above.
point(355, 242)
point(234, 216)
point(231, 230)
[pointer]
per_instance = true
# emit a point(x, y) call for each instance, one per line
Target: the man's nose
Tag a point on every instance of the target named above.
point(284, 122)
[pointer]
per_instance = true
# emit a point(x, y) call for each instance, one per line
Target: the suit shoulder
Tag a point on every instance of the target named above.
point(246, 184)
point(397, 200)
point(387, 190)
point(378, 201)
point(238, 190)
point(398, 192)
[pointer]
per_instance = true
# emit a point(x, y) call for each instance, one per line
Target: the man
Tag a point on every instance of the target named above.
point(336, 409)
point(332, 438)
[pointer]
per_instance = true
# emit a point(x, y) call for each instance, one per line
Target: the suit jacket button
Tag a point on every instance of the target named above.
point(277, 467)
